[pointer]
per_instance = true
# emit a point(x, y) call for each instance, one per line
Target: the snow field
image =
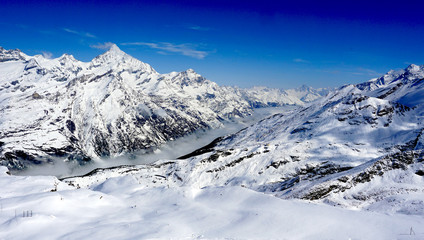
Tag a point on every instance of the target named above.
point(119, 208)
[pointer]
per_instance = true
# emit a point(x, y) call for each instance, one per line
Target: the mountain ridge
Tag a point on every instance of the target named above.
point(356, 148)
point(63, 108)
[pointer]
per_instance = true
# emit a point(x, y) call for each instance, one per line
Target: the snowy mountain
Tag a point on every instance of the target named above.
point(263, 96)
point(115, 104)
point(361, 146)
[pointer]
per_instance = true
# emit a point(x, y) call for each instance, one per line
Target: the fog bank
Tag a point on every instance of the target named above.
point(170, 150)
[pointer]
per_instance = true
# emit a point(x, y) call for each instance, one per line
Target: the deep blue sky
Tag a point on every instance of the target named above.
point(245, 43)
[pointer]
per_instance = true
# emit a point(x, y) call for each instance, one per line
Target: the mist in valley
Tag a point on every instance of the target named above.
point(169, 151)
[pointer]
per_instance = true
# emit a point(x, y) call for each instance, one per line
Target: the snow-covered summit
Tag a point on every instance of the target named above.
point(116, 59)
point(411, 73)
point(11, 55)
point(404, 86)
point(272, 96)
point(67, 58)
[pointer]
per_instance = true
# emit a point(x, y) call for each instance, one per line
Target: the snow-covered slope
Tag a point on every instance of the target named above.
point(42, 207)
point(358, 147)
point(115, 104)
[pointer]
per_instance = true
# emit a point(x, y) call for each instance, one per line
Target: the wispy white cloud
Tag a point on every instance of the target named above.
point(162, 53)
point(185, 49)
point(103, 46)
point(47, 55)
point(198, 28)
point(366, 71)
point(82, 34)
point(300, 60)
point(70, 31)
point(352, 70)
point(89, 35)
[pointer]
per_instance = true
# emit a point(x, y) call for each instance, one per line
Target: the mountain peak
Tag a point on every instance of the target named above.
point(304, 87)
point(116, 57)
point(190, 71)
point(114, 54)
point(66, 56)
point(115, 49)
point(413, 68)
point(11, 55)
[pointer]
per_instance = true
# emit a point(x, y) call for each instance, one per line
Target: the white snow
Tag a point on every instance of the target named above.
point(119, 208)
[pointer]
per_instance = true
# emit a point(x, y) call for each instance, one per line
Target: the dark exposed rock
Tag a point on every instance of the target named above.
point(232, 163)
point(384, 111)
point(10, 55)
point(298, 130)
point(70, 125)
point(35, 95)
point(420, 172)
point(18, 159)
point(203, 150)
point(395, 161)
point(277, 164)
point(14, 82)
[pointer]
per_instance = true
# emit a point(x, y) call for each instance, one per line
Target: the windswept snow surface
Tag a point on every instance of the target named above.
point(41, 207)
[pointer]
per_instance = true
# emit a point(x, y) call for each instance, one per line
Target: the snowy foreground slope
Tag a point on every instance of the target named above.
point(40, 207)
point(79, 111)
point(360, 147)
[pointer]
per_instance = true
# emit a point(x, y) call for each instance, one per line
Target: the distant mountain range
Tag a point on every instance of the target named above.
point(360, 146)
point(115, 104)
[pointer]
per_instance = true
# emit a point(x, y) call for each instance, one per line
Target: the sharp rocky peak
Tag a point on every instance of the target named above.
point(11, 55)
point(188, 73)
point(413, 66)
point(114, 49)
point(67, 57)
point(188, 76)
point(414, 69)
point(115, 56)
point(114, 52)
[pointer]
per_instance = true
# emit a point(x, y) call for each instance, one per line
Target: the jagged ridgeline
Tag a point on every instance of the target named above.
point(360, 146)
point(115, 104)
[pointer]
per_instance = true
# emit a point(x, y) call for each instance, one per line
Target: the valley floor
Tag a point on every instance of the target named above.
point(41, 207)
